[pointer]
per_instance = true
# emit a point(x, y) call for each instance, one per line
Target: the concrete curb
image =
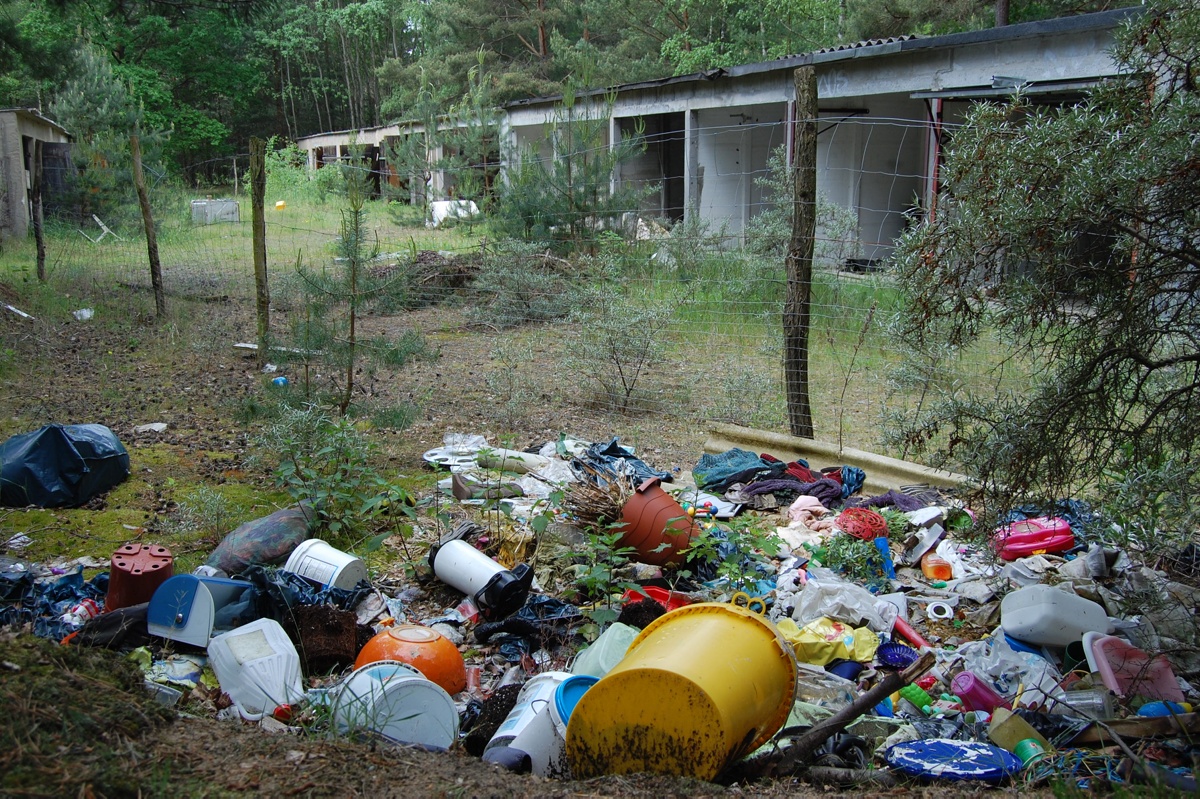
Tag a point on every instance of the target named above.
point(883, 473)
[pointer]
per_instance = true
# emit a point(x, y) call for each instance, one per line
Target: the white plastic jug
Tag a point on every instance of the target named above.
point(1047, 616)
point(258, 667)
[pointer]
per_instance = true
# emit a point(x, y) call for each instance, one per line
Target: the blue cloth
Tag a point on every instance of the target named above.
point(852, 480)
point(714, 469)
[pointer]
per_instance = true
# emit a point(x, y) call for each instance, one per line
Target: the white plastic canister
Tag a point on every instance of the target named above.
point(398, 702)
point(1046, 616)
point(258, 667)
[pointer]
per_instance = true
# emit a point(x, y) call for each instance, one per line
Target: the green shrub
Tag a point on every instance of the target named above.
point(520, 283)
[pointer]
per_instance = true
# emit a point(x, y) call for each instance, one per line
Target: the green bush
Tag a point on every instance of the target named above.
point(520, 283)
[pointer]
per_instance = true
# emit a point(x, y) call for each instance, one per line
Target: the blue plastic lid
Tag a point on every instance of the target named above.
point(569, 692)
point(1021, 646)
point(953, 760)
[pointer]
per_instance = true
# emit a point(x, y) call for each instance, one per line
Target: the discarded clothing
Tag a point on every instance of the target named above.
point(608, 462)
point(717, 473)
point(892, 499)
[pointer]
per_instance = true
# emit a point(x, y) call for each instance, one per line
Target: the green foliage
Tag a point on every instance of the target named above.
point(620, 341)
point(597, 577)
point(288, 178)
point(327, 462)
point(859, 561)
point(567, 199)
point(740, 553)
point(1147, 506)
point(520, 283)
point(744, 394)
point(1051, 237)
point(101, 113)
point(206, 514)
point(515, 390)
point(770, 231)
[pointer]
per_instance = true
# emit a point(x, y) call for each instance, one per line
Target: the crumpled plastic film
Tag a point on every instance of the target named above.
point(825, 640)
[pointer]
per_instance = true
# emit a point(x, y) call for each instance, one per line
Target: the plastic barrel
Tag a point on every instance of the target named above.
point(700, 687)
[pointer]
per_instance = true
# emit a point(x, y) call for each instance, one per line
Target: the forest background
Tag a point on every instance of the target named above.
point(199, 78)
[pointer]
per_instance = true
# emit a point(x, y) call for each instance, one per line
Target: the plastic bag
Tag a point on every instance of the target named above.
point(824, 640)
point(825, 595)
point(264, 542)
point(60, 465)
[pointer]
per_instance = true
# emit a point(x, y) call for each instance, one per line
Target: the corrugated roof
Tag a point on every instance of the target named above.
point(908, 37)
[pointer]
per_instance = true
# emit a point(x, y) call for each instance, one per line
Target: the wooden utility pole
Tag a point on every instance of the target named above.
point(797, 311)
point(35, 197)
point(258, 225)
point(139, 183)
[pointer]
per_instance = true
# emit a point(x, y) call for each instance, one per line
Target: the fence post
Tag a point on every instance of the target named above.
point(35, 197)
point(797, 311)
point(139, 183)
point(258, 224)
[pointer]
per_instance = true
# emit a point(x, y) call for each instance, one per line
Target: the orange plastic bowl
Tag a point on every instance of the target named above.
point(426, 650)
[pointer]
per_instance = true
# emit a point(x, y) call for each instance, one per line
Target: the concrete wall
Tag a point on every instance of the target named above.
point(19, 128)
point(709, 136)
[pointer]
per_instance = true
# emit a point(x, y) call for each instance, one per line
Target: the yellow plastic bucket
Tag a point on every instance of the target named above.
point(699, 688)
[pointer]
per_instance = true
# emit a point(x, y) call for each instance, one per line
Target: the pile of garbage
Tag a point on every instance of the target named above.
point(757, 618)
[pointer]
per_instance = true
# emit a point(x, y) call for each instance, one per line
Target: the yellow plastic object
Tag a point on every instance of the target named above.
point(699, 688)
point(280, 205)
point(824, 640)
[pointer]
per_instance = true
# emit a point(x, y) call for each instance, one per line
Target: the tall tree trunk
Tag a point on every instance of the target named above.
point(1001, 13)
point(139, 183)
point(797, 307)
point(543, 45)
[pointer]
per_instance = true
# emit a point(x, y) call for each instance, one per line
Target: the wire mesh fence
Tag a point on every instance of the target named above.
point(669, 322)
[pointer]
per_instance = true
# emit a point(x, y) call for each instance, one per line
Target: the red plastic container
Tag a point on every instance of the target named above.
point(652, 518)
point(135, 573)
point(668, 599)
point(976, 693)
point(1038, 536)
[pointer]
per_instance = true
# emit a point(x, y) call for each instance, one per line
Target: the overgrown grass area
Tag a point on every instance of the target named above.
point(83, 714)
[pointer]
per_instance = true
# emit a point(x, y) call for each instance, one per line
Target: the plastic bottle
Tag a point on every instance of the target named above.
point(936, 567)
point(1162, 708)
point(1007, 729)
point(977, 693)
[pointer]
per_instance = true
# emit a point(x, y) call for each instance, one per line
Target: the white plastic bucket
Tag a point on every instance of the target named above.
point(536, 694)
point(1047, 616)
point(258, 667)
point(396, 701)
point(322, 564)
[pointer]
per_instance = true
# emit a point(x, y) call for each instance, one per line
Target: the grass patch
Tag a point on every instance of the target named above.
point(80, 712)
